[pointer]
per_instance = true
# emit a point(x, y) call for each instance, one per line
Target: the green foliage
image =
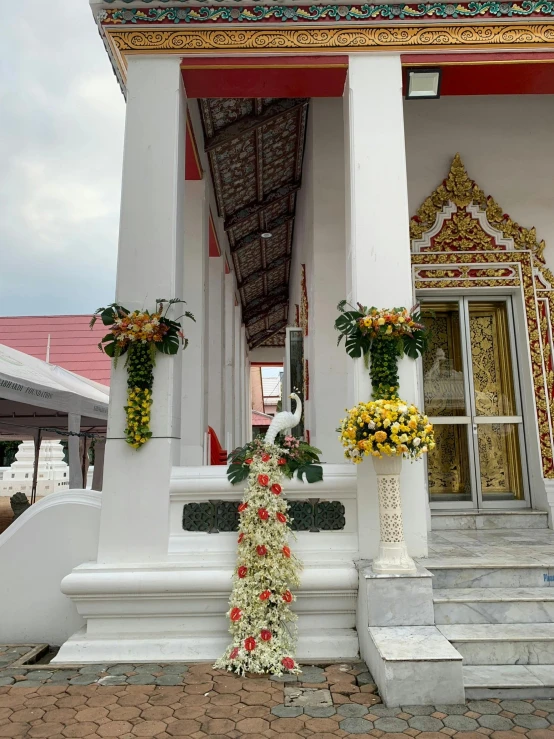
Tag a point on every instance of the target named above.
point(379, 345)
point(302, 460)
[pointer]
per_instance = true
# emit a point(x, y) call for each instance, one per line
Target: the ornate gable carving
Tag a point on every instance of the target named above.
point(485, 227)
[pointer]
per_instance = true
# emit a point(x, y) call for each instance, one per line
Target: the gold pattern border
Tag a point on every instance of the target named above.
point(193, 40)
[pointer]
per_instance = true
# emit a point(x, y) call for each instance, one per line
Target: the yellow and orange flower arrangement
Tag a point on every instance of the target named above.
point(385, 428)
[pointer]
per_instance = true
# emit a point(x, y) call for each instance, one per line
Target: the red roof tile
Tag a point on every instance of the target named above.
point(73, 345)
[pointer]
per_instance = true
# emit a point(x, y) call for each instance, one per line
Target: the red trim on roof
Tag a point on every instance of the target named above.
point(193, 168)
point(215, 249)
point(73, 345)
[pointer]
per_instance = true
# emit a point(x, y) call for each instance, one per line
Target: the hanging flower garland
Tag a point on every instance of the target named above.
point(387, 425)
point(139, 335)
point(260, 616)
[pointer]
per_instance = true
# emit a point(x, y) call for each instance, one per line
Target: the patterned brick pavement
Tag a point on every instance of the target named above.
point(177, 700)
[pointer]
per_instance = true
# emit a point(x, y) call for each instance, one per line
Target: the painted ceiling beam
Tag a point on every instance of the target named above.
point(279, 262)
point(278, 223)
point(284, 191)
point(250, 123)
point(266, 312)
point(260, 337)
point(279, 293)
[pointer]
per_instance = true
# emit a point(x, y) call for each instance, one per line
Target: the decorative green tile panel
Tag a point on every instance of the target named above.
point(307, 515)
point(329, 516)
point(198, 517)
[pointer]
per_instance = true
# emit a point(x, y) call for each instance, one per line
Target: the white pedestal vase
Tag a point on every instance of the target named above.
point(393, 557)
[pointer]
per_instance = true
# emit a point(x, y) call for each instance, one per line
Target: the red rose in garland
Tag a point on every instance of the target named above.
point(260, 615)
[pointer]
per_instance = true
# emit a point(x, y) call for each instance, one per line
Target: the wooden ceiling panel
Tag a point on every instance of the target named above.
point(255, 148)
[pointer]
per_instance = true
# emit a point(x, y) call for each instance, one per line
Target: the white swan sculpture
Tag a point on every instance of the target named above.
point(284, 420)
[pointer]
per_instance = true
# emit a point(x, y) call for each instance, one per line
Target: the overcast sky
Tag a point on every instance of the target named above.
point(61, 144)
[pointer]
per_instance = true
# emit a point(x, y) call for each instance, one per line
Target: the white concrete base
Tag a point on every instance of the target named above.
point(397, 600)
point(176, 611)
point(331, 644)
point(413, 665)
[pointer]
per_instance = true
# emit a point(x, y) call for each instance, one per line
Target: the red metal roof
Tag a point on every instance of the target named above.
point(73, 345)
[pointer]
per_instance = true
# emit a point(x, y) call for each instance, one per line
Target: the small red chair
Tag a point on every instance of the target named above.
point(217, 454)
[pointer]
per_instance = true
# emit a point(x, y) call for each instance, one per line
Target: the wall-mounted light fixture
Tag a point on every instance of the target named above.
point(423, 83)
point(266, 235)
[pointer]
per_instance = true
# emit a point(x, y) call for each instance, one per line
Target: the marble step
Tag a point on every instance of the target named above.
point(463, 520)
point(493, 605)
point(471, 574)
point(508, 681)
point(502, 644)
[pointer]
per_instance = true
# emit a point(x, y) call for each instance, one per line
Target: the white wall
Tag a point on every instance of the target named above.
point(506, 144)
point(37, 551)
point(507, 147)
point(319, 244)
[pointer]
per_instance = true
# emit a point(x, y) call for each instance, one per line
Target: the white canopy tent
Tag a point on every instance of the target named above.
point(43, 401)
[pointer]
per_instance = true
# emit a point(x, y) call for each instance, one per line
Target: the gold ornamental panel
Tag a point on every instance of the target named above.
point(194, 40)
point(456, 265)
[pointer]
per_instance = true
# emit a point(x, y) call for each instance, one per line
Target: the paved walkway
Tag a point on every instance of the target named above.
point(172, 701)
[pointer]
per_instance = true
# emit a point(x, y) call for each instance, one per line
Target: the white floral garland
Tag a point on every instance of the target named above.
point(261, 620)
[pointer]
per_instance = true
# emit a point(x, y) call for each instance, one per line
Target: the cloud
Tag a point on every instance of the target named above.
point(61, 146)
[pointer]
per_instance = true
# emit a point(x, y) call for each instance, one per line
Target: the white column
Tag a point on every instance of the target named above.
point(216, 384)
point(134, 525)
point(98, 474)
point(326, 279)
point(194, 387)
point(243, 383)
point(229, 364)
point(238, 369)
point(75, 469)
point(247, 400)
point(378, 259)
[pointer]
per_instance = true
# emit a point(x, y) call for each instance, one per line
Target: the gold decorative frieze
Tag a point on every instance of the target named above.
point(138, 39)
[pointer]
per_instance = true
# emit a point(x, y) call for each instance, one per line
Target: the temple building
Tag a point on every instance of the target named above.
point(280, 157)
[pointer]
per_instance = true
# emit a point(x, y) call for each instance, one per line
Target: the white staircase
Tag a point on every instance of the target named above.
point(499, 616)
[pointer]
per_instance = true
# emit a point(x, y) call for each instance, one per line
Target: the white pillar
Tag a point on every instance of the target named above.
point(243, 384)
point(247, 400)
point(134, 525)
point(229, 364)
point(194, 387)
point(238, 369)
point(75, 469)
point(326, 278)
point(378, 259)
point(98, 474)
point(216, 320)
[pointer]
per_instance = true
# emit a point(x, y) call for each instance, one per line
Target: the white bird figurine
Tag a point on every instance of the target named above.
point(284, 420)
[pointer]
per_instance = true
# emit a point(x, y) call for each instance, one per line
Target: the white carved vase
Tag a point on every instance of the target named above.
point(393, 557)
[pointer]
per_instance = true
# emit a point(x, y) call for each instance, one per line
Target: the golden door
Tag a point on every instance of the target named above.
point(472, 397)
